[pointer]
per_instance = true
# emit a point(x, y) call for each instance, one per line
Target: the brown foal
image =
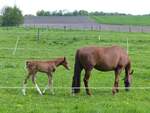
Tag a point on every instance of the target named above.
point(47, 67)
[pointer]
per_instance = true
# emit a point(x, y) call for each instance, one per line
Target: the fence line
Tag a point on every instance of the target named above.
point(138, 87)
point(25, 58)
point(34, 49)
point(96, 27)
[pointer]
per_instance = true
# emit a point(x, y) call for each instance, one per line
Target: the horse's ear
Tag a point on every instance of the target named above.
point(64, 58)
point(131, 72)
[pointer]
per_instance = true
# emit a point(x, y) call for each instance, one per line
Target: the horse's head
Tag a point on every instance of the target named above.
point(127, 81)
point(65, 63)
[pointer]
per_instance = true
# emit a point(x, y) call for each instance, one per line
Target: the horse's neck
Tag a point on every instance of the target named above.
point(58, 62)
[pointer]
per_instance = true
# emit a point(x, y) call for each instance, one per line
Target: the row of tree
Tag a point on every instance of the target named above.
point(12, 16)
point(75, 13)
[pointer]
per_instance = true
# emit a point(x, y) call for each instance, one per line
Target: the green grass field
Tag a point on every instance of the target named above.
point(55, 43)
point(123, 20)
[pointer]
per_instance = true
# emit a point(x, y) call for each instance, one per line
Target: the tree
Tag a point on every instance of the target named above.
point(75, 13)
point(0, 20)
point(40, 13)
point(83, 13)
point(11, 16)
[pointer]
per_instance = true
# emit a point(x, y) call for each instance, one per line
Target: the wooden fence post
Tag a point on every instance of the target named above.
point(100, 27)
point(129, 28)
point(64, 28)
point(38, 34)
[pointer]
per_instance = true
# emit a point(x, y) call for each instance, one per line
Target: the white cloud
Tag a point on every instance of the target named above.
point(122, 6)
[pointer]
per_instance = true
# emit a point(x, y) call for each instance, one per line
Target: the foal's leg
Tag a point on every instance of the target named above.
point(116, 83)
point(47, 87)
point(24, 83)
point(50, 84)
point(86, 79)
point(34, 82)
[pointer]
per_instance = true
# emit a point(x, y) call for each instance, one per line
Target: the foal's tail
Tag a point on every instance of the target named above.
point(28, 65)
point(77, 73)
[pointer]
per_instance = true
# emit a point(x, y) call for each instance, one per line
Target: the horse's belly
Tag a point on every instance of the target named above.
point(104, 68)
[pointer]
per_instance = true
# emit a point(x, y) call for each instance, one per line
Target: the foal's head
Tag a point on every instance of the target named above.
point(65, 63)
point(127, 81)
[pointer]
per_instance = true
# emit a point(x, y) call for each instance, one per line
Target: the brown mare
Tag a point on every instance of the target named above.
point(47, 67)
point(104, 59)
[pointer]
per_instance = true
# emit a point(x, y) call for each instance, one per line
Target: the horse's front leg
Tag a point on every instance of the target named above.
point(25, 83)
point(116, 82)
point(86, 79)
point(37, 87)
point(50, 84)
point(52, 89)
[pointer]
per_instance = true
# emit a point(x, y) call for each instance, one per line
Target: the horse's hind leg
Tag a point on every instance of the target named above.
point(86, 79)
point(24, 84)
point(116, 83)
point(37, 87)
point(47, 87)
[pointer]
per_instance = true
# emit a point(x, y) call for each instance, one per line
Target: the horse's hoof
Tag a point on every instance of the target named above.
point(24, 94)
point(53, 93)
point(113, 92)
point(117, 90)
point(88, 93)
point(73, 94)
point(127, 89)
point(23, 91)
point(41, 94)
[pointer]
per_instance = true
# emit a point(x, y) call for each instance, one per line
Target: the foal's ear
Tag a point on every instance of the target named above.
point(64, 58)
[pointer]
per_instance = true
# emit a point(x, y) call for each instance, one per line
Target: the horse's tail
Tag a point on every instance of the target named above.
point(128, 72)
point(28, 64)
point(77, 73)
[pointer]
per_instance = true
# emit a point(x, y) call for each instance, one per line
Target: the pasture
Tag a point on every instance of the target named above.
point(19, 44)
point(123, 20)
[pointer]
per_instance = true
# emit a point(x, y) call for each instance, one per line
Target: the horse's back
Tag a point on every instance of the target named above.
point(103, 58)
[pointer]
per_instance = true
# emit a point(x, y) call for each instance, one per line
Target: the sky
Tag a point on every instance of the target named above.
point(135, 7)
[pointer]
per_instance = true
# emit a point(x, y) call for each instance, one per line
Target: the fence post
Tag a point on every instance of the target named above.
point(38, 34)
point(70, 27)
point(47, 28)
point(91, 28)
point(64, 28)
point(129, 28)
point(142, 29)
point(100, 28)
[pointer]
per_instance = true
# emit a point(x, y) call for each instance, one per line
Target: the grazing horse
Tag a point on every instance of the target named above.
point(104, 59)
point(46, 67)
